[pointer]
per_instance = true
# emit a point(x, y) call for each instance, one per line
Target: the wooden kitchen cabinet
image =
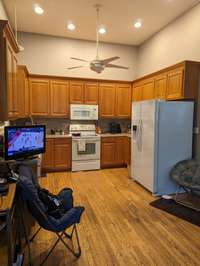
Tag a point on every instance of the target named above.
point(23, 90)
point(148, 90)
point(127, 152)
point(160, 89)
point(62, 154)
point(12, 88)
point(108, 150)
point(48, 156)
point(113, 151)
point(123, 101)
point(39, 97)
point(175, 84)
point(91, 93)
point(58, 155)
point(59, 98)
point(137, 93)
point(107, 96)
point(76, 92)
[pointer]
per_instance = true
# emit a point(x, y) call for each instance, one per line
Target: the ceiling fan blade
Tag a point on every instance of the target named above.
point(79, 59)
point(116, 66)
point(110, 59)
point(69, 68)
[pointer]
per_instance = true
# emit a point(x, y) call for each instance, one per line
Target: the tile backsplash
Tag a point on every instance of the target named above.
point(63, 123)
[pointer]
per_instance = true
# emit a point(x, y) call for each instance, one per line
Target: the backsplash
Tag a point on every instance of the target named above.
point(63, 123)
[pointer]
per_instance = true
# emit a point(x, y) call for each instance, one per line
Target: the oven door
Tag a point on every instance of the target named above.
point(85, 149)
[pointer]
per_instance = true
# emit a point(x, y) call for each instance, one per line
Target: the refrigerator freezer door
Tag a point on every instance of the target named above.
point(143, 157)
point(174, 142)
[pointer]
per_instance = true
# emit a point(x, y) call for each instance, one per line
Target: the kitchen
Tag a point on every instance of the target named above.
point(89, 118)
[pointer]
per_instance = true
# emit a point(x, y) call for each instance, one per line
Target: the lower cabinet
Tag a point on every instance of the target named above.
point(58, 155)
point(115, 151)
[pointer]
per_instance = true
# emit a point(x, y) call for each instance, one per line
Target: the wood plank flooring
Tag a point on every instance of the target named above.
point(119, 227)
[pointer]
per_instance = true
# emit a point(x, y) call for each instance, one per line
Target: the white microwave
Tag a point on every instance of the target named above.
point(83, 112)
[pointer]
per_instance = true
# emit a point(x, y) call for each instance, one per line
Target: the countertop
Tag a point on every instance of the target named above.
point(102, 135)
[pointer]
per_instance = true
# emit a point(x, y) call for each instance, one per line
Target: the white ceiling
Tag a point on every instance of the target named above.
point(117, 15)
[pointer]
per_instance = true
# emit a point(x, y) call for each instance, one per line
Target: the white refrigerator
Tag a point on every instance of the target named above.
point(161, 136)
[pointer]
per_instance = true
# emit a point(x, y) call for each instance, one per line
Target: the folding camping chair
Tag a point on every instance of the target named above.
point(27, 192)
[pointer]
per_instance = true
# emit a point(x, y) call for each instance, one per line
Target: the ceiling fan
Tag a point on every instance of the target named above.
point(98, 65)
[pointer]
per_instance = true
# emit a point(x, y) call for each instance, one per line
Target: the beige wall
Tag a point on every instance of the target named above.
point(179, 41)
point(2, 11)
point(51, 56)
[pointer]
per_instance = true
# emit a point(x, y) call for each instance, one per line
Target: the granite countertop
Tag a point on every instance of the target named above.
point(51, 136)
point(102, 135)
point(116, 135)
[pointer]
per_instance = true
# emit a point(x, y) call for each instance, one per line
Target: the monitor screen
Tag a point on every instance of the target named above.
point(24, 141)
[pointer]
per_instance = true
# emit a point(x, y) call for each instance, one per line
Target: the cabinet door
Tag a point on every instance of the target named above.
point(21, 84)
point(12, 89)
point(91, 93)
point(76, 92)
point(137, 93)
point(127, 150)
point(27, 97)
point(59, 98)
point(148, 90)
point(39, 97)
point(62, 154)
point(107, 93)
point(123, 100)
point(120, 151)
point(160, 87)
point(108, 150)
point(175, 84)
point(48, 156)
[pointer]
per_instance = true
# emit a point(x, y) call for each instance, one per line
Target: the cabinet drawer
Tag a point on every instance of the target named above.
point(108, 139)
point(63, 141)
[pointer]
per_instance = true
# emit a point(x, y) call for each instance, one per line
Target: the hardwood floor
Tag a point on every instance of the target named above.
point(119, 227)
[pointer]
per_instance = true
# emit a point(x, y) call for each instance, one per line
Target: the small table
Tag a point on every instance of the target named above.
point(7, 207)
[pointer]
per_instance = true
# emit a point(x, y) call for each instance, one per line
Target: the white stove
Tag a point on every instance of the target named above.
point(86, 147)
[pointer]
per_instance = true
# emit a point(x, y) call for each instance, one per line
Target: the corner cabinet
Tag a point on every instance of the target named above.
point(174, 83)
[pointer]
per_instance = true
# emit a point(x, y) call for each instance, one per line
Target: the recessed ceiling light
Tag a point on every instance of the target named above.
point(38, 9)
point(102, 30)
point(71, 26)
point(138, 24)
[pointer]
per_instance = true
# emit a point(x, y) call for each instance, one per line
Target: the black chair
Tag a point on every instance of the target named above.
point(27, 191)
point(187, 175)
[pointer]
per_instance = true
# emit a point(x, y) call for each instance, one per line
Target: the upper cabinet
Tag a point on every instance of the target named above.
point(76, 92)
point(114, 100)
point(173, 83)
point(23, 91)
point(39, 97)
point(9, 98)
point(123, 100)
point(107, 97)
point(148, 90)
point(160, 88)
point(59, 98)
point(91, 93)
point(83, 92)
